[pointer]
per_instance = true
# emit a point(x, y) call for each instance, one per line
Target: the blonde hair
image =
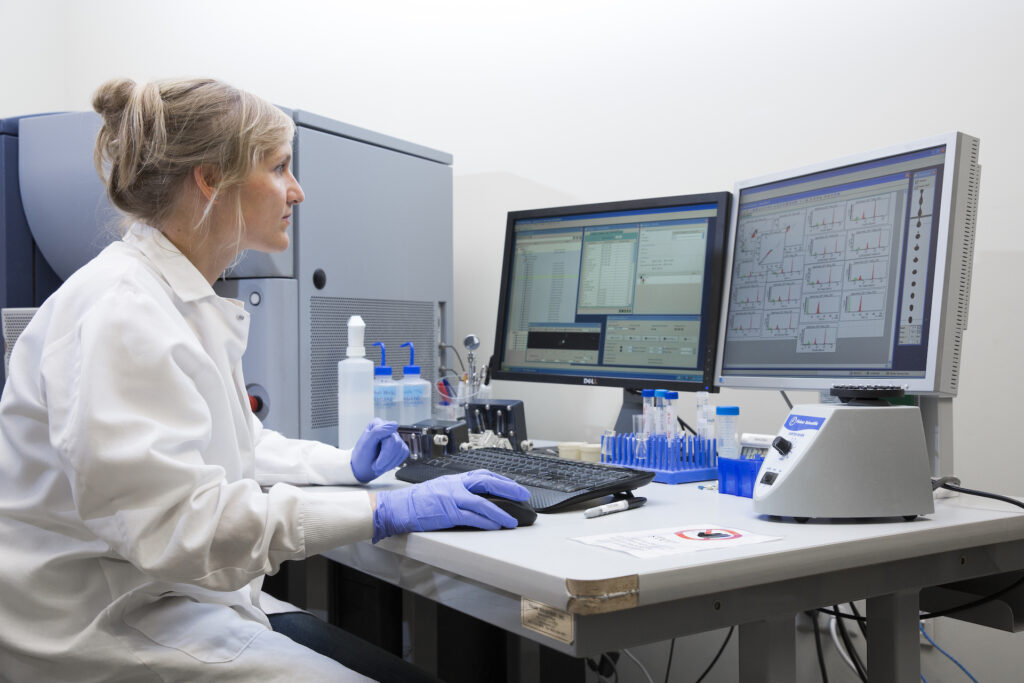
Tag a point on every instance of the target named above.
point(155, 134)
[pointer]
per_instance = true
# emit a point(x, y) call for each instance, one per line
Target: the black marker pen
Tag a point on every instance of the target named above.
point(617, 506)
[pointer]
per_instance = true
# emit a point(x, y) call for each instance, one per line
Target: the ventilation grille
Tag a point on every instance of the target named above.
point(15, 320)
point(970, 224)
point(390, 322)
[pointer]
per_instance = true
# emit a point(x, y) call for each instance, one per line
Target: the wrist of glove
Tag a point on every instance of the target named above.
point(378, 450)
point(445, 502)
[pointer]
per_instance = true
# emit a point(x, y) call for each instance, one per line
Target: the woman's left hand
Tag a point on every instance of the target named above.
point(378, 450)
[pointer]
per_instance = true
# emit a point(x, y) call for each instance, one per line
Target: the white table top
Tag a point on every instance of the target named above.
point(542, 563)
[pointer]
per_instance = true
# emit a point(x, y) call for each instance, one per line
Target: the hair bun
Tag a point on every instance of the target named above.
point(112, 97)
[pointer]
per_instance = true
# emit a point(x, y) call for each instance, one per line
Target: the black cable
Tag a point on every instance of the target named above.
point(861, 621)
point(843, 615)
point(720, 651)
point(983, 494)
point(668, 667)
point(686, 426)
point(786, 399)
point(973, 603)
point(817, 645)
point(848, 644)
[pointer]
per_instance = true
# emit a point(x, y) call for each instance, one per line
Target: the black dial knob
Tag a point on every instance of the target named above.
point(782, 445)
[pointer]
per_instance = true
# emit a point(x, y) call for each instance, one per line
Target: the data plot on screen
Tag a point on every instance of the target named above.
point(826, 217)
point(870, 209)
point(782, 323)
point(818, 308)
point(818, 339)
point(745, 324)
point(825, 277)
point(826, 247)
point(783, 295)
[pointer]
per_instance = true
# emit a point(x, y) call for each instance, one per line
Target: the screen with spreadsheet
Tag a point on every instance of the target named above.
point(618, 294)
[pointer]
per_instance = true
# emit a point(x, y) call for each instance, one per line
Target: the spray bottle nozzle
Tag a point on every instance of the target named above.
point(356, 331)
point(411, 368)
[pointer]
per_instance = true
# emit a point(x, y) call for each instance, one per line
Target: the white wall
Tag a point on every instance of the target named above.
point(564, 101)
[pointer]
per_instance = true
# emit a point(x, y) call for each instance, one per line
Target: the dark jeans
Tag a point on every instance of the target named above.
point(345, 648)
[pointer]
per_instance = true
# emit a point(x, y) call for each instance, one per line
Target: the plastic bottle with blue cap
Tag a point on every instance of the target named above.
point(725, 434)
point(416, 395)
point(387, 393)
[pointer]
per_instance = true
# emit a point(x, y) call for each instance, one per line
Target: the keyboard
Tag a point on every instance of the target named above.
point(554, 483)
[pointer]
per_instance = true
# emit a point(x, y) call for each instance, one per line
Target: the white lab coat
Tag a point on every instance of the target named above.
point(134, 533)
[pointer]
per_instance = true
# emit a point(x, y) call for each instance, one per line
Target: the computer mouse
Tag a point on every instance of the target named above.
point(521, 510)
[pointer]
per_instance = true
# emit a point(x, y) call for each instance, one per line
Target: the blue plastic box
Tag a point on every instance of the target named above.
point(736, 476)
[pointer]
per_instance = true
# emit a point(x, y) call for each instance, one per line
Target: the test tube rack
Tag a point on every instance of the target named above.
point(674, 460)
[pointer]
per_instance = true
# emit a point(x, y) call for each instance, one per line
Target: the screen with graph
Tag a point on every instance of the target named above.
point(621, 294)
point(852, 272)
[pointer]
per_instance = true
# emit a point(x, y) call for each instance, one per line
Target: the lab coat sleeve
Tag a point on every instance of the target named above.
point(297, 461)
point(127, 392)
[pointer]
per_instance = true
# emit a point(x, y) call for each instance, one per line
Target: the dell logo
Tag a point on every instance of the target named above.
point(589, 380)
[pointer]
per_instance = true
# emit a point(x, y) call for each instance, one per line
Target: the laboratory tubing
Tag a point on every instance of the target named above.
point(416, 394)
point(355, 387)
point(725, 431)
point(387, 393)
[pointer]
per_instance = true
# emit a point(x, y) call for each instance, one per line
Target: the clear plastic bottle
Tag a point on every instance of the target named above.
point(726, 437)
point(387, 393)
point(705, 429)
point(416, 393)
point(355, 387)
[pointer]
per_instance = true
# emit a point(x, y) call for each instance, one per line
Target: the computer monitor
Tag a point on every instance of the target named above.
point(853, 272)
point(623, 294)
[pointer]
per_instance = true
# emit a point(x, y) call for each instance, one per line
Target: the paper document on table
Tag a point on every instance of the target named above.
point(674, 540)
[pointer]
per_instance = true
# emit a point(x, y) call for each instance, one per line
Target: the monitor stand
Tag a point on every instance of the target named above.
point(632, 404)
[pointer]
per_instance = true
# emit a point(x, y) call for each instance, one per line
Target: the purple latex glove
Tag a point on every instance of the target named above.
point(445, 502)
point(378, 450)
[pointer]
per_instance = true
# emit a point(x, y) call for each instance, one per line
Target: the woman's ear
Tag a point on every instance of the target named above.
point(206, 180)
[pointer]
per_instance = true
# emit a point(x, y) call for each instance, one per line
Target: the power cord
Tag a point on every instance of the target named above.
point(668, 667)
point(720, 651)
point(817, 646)
point(858, 665)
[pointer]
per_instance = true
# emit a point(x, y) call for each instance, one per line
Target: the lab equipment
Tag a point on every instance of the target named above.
point(705, 416)
point(641, 436)
point(727, 444)
point(617, 506)
point(672, 424)
point(506, 418)
point(416, 394)
point(445, 502)
point(298, 300)
point(737, 476)
point(623, 294)
point(378, 450)
point(387, 393)
point(432, 438)
point(355, 386)
point(755, 445)
point(553, 483)
point(864, 458)
point(856, 271)
point(672, 460)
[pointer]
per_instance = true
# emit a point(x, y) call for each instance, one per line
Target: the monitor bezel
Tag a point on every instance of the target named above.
point(937, 379)
point(709, 316)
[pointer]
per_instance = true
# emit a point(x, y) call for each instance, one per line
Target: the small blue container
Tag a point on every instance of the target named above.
point(736, 476)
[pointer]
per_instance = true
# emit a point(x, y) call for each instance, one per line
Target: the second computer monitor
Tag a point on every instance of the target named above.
point(619, 294)
point(855, 271)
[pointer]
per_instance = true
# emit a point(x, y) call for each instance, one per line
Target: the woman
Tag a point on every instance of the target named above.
point(133, 526)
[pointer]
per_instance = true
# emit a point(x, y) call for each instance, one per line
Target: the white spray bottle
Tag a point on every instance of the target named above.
point(355, 387)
